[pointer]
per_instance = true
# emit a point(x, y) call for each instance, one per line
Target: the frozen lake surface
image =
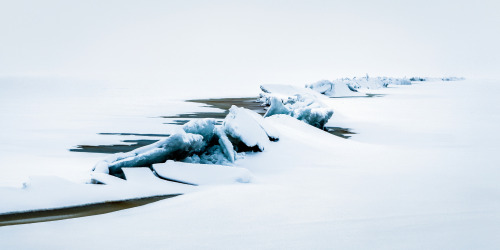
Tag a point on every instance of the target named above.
point(420, 172)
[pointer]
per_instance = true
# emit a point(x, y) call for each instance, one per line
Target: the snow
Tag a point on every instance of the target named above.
point(104, 178)
point(421, 173)
point(202, 174)
point(284, 91)
point(49, 192)
point(241, 127)
point(144, 177)
point(271, 132)
point(47, 116)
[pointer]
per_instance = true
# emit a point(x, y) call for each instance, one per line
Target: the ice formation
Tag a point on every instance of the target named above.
point(367, 82)
point(225, 145)
point(177, 146)
point(277, 108)
point(203, 127)
point(199, 141)
point(445, 79)
point(334, 89)
point(302, 104)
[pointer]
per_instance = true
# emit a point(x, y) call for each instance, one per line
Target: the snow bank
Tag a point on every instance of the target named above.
point(301, 103)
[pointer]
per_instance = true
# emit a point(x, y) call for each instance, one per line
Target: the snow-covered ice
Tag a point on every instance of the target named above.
point(302, 103)
point(244, 130)
point(202, 174)
point(367, 83)
point(226, 146)
point(177, 146)
point(420, 173)
point(334, 89)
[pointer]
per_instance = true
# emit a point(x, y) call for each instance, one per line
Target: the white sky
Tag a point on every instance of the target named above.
point(248, 41)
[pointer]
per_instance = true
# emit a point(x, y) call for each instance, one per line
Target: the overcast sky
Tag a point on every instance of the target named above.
point(248, 41)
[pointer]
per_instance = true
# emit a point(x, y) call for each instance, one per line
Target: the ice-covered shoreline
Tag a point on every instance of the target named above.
point(414, 172)
point(278, 92)
point(428, 184)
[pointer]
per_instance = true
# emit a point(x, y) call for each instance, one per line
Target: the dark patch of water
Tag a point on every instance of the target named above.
point(222, 103)
point(366, 96)
point(152, 135)
point(340, 132)
point(113, 148)
point(76, 211)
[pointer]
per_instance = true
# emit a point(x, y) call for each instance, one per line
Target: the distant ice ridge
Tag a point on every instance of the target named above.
point(199, 141)
point(368, 82)
point(338, 88)
point(428, 79)
point(345, 87)
point(301, 103)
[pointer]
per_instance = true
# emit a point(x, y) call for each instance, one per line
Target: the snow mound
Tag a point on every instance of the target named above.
point(303, 104)
point(271, 132)
point(202, 174)
point(244, 131)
